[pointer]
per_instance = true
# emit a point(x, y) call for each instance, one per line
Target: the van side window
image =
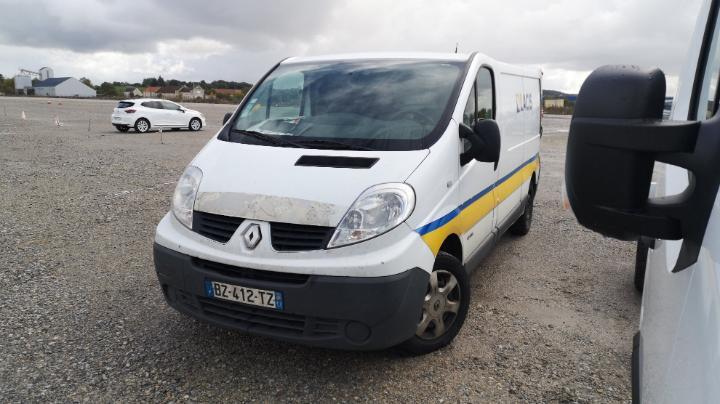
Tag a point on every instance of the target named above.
point(484, 88)
point(708, 101)
point(470, 111)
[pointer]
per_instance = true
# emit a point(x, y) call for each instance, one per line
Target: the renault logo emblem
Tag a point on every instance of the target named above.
point(252, 236)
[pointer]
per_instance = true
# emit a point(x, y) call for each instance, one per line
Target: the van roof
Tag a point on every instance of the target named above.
point(460, 57)
point(524, 70)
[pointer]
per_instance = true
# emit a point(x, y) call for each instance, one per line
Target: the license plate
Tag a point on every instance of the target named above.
point(241, 294)
point(116, 118)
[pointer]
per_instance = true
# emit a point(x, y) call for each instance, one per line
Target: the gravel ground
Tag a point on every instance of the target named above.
point(82, 317)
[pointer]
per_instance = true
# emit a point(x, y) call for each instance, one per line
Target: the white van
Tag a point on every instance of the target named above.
point(617, 144)
point(345, 201)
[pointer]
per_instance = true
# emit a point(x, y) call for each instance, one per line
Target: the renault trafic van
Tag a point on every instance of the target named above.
point(346, 200)
point(618, 144)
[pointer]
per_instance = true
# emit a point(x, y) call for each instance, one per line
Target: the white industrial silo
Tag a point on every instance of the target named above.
point(22, 83)
point(46, 73)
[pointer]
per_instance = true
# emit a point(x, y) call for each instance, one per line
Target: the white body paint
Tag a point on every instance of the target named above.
point(680, 316)
point(262, 184)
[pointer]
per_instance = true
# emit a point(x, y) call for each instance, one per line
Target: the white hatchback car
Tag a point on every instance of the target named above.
point(145, 114)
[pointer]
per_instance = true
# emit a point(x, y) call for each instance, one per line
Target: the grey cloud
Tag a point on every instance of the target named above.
point(135, 27)
point(573, 35)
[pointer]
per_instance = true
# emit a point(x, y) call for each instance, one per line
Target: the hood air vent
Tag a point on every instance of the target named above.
point(336, 161)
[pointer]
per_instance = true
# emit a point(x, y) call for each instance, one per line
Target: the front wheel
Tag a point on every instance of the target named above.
point(444, 309)
point(195, 125)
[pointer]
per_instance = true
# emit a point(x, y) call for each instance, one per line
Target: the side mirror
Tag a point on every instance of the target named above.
point(227, 117)
point(484, 141)
point(616, 136)
point(489, 132)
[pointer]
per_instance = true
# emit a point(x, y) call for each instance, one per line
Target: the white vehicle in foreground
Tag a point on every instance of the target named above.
point(617, 139)
point(347, 199)
point(144, 114)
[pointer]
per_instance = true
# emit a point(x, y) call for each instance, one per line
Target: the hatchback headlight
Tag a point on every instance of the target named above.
point(185, 193)
point(378, 210)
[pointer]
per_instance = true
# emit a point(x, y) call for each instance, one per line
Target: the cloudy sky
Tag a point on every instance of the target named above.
point(109, 40)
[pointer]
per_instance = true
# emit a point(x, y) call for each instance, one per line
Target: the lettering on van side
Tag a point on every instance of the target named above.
point(523, 102)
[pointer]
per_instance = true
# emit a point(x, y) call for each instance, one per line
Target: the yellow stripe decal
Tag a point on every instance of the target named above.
point(465, 216)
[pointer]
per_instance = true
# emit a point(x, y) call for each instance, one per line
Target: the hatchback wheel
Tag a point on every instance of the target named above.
point(195, 125)
point(142, 125)
point(444, 309)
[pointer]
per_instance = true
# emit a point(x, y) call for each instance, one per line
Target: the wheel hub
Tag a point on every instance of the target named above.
point(442, 302)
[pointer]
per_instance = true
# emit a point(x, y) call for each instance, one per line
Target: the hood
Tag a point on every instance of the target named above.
point(265, 183)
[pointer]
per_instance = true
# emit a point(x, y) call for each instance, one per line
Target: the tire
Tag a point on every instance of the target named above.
point(440, 321)
point(142, 125)
point(641, 255)
point(522, 225)
point(122, 128)
point(195, 125)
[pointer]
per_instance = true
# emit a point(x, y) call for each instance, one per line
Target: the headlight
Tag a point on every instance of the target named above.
point(185, 193)
point(378, 210)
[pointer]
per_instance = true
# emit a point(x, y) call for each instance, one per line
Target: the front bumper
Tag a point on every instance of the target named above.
point(360, 313)
point(386, 255)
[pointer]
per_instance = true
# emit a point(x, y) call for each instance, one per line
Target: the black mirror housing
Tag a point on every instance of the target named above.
point(484, 139)
point(616, 136)
point(489, 132)
point(227, 117)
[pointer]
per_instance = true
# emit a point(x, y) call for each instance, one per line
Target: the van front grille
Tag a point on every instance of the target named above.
point(216, 227)
point(298, 237)
point(284, 236)
point(267, 320)
point(239, 274)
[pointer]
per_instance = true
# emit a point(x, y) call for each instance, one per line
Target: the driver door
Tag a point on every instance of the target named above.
point(173, 114)
point(477, 179)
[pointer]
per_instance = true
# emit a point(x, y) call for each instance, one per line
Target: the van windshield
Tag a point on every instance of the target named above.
point(378, 105)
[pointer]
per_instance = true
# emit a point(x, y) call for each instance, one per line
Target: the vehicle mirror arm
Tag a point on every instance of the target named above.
point(639, 134)
point(476, 144)
point(635, 144)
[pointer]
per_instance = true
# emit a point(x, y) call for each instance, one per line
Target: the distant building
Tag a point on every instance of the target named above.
point(228, 91)
point(170, 92)
point(63, 87)
point(195, 93)
point(559, 103)
point(23, 84)
point(151, 91)
point(45, 73)
point(132, 92)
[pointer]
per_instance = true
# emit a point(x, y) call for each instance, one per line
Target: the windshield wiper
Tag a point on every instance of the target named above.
point(333, 144)
point(276, 140)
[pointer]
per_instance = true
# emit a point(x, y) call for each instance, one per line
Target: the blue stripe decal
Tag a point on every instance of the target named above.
point(438, 223)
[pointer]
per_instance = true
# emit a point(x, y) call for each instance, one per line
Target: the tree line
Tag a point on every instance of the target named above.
point(116, 88)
